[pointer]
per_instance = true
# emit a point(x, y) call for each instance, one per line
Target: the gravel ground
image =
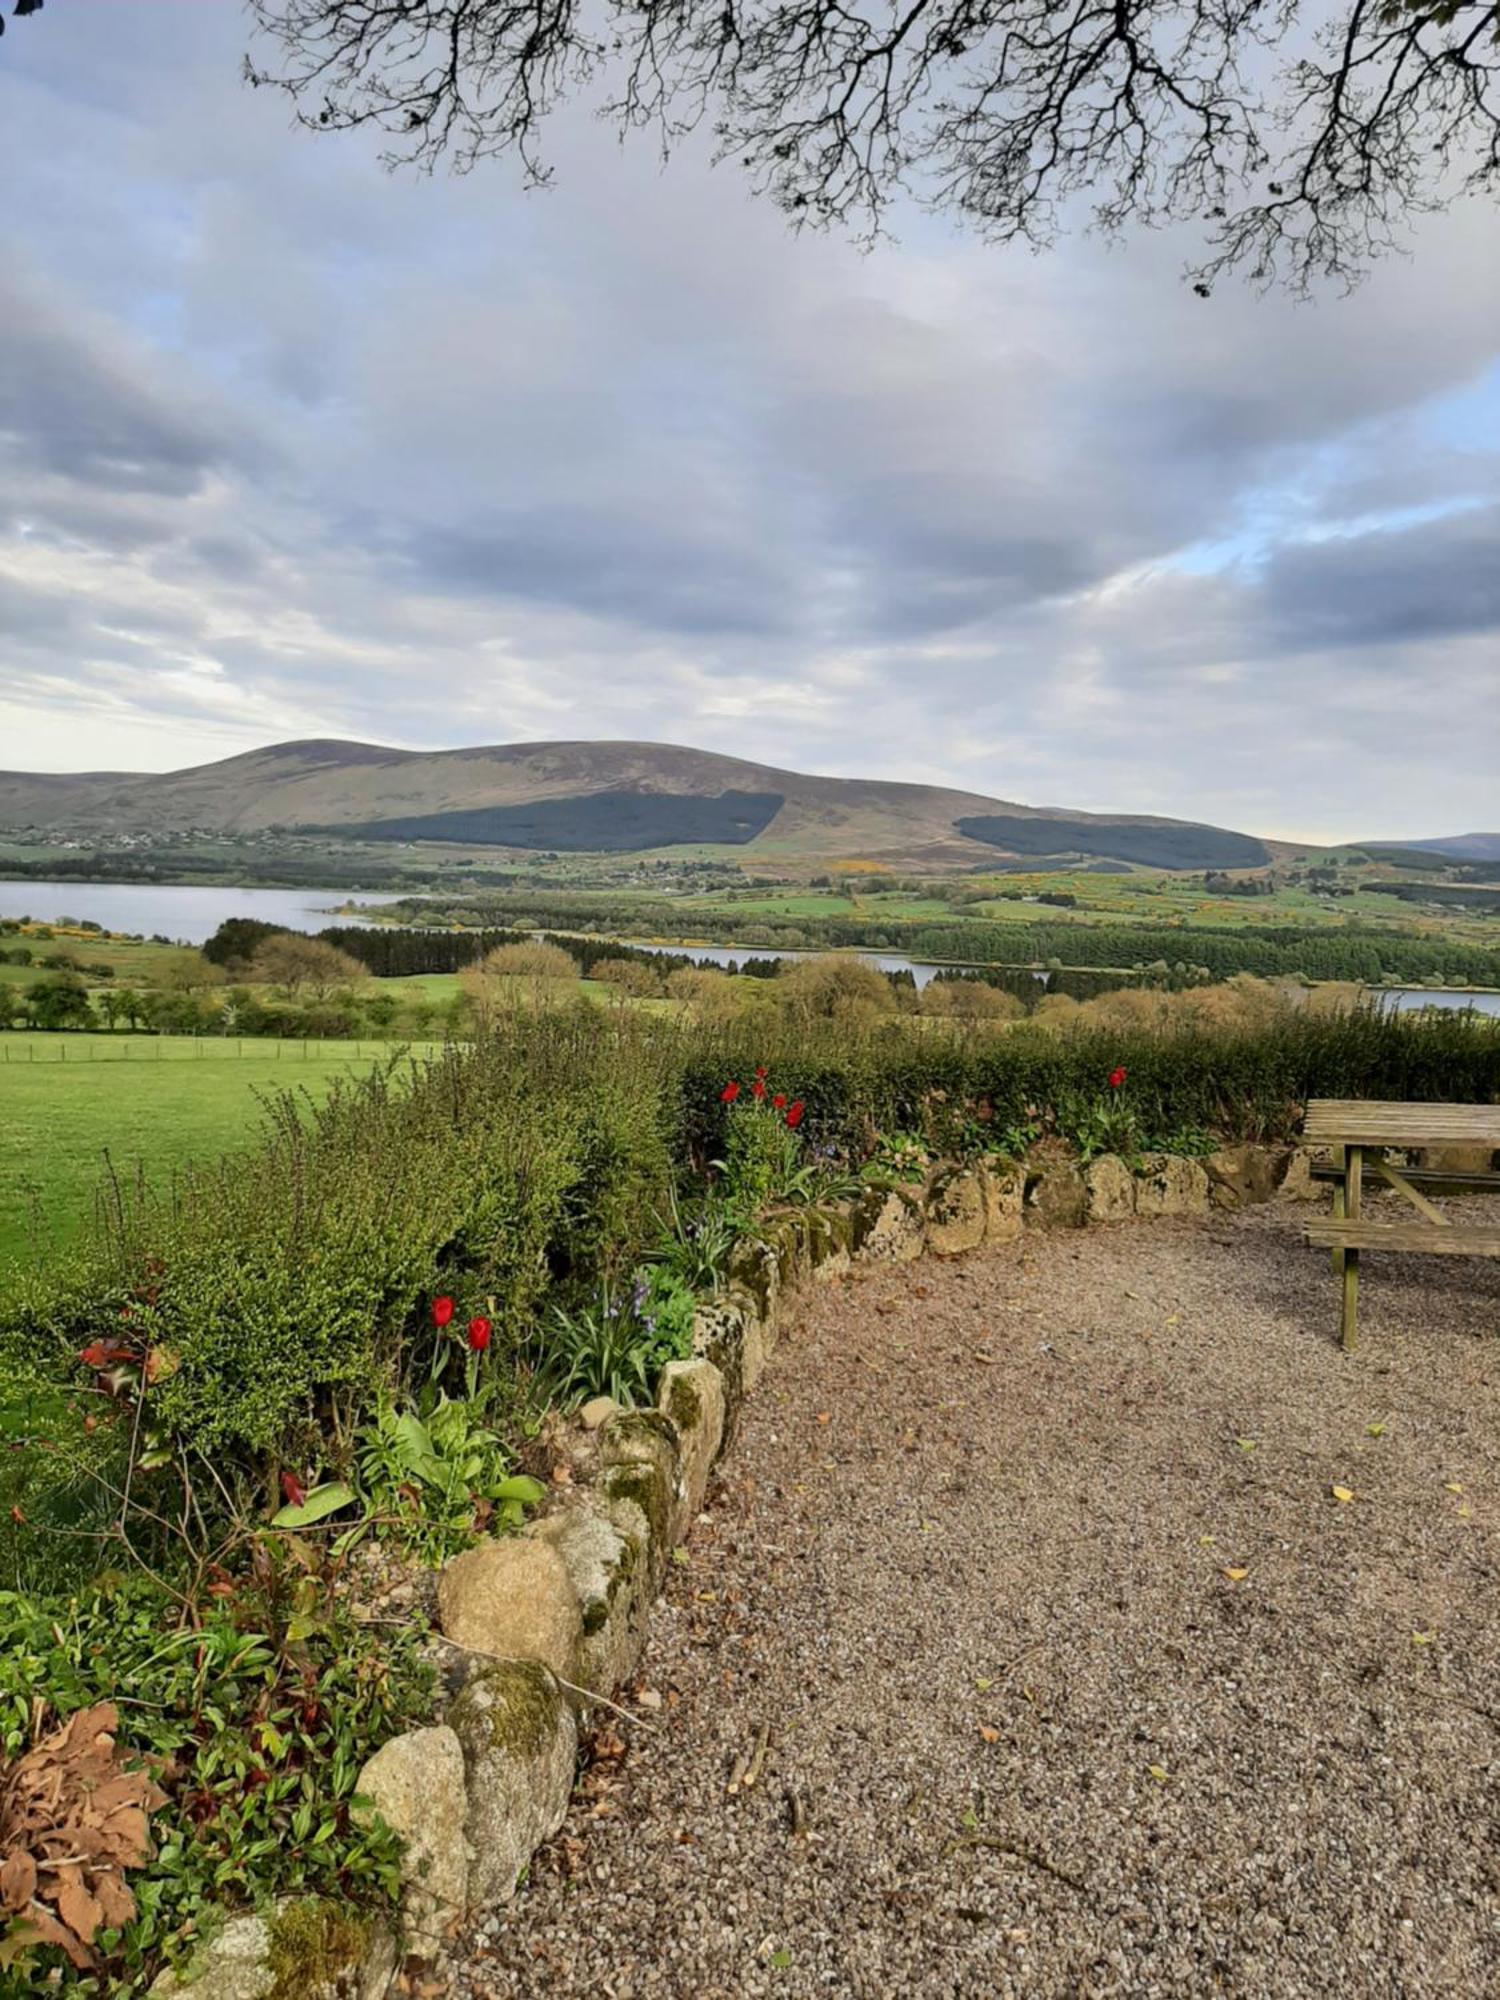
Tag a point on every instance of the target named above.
point(1078, 1677)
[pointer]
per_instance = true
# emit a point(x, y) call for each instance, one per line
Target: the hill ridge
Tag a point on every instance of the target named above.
point(601, 795)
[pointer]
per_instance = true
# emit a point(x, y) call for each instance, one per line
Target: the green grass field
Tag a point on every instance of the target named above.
point(65, 1099)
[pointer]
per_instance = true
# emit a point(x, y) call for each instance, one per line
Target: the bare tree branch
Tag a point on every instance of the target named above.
point(1302, 142)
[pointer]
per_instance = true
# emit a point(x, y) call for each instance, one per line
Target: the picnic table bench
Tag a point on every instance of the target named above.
point(1360, 1134)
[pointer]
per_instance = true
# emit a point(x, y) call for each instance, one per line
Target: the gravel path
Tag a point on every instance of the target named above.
point(1079, 1679)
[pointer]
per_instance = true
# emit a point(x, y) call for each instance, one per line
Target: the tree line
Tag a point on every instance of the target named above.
point(1367, 953)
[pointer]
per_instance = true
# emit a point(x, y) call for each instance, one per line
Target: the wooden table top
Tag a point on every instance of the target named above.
point(1338, 1121)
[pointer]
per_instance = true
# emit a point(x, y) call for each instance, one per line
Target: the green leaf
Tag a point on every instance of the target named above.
point(520, 1487)
point(319, 1504)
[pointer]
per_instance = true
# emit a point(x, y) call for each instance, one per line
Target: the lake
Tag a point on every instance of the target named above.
point(733, 956)
point(187, 913)
point(1404, 998)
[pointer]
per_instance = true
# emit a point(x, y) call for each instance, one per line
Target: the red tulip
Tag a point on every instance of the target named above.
point(442, 1312)
point(761, 1071)
point(794, 1115)
point(292, 1489)
point(479, 1335)
point(1116, 1077)
point(779, 1101)
point(757, 1089)
point(729, 1093)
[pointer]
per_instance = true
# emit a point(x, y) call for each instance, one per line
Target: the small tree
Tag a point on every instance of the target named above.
point(709, 996)
point(236, 941)
point(970, 1000)
point(303, 967)
point(59, 1003)
point(187, 972)
point(530, 974)
point(628, 978)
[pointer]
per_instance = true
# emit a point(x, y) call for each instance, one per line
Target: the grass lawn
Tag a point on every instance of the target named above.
point(64, 1099)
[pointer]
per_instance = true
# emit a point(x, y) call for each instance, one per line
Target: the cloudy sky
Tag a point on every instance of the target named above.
point(289, 448)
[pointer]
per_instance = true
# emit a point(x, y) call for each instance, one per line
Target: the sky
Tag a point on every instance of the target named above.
point(292, 447)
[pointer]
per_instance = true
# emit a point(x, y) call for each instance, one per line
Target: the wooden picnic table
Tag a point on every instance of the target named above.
point(1361, 1133)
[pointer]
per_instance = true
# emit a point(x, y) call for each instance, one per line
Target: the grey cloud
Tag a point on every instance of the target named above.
point(71, 406)
point(1389, 588)
point(307, 450)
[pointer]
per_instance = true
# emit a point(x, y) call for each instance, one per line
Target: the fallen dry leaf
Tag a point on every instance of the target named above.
point(988, 1735)
point(1236, 1575)
point(72, 1820)
point(1343, 1494)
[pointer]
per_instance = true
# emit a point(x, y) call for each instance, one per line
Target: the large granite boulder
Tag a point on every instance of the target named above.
point(1241, 1176)
point(1003, 1183)
point(1297, 1183)
point(415, 1783)
point(1169, 1184)
point(955, 1212)
point(755, 1267)
point(511, 1598)
point(607, 1557)
point(520, 1743)
point(894, 1228)
point(1055, 1195)
point(1108, 1189)
point(692, 1395)
point(306, 1946)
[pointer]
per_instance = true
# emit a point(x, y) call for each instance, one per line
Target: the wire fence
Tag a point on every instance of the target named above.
point(87, 1048)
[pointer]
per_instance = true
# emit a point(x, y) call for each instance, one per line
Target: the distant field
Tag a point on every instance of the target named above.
point(64, 1099)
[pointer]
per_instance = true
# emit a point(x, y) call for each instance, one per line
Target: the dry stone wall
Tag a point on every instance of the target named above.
point(546, 1624)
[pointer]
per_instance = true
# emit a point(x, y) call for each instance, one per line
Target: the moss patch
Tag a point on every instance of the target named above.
point(596, 1611)
point(645, 1486)
point(684, 1404)
point(520, 1705)
point(312, 1944)
point(637, 1436)
point(756, 1267)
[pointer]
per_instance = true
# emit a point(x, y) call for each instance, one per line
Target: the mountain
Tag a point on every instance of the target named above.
point(602, 797)
point(1457, 846)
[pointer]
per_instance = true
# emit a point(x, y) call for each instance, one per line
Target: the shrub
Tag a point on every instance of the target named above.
point(835, 988)
point(629, 978)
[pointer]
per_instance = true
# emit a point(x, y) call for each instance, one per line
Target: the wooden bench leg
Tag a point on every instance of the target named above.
point(1342, 1162)
point(1351, 1297)
point(1353, 1177)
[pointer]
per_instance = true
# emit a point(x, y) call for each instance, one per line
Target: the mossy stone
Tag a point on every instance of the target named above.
point(684, 1405)
point(756, 1268)
point(520, 1740)
point(313, 1944)
point(521, 1710)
